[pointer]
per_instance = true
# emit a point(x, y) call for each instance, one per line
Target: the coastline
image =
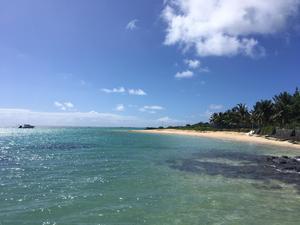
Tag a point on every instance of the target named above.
point(224, 135)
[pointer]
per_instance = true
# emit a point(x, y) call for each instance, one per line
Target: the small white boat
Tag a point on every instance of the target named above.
point(26, 126)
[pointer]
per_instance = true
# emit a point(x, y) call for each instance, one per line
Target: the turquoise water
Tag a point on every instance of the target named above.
point(112, 176)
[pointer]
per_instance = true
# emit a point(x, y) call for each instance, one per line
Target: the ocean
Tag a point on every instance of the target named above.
point(111, 176)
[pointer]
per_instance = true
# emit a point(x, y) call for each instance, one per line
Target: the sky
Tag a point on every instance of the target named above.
point(140, 62)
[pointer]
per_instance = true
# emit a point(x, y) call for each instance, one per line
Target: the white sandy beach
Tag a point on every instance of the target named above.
point(225, 135)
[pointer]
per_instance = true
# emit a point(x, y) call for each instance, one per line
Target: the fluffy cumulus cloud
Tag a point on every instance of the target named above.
point(136, 92)
point(184, 74)
point(132, 25)
point(225, 27)
point(64, 105)
point(151, 108)
point(192, 63)
point(122, 90)
point(195, 64)
point(120, 108)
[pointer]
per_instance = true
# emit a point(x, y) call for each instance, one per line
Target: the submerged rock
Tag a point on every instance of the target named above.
point(243, 166)
point(285, 163)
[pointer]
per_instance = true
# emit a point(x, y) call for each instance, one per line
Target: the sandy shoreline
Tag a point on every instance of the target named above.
point(224, 135)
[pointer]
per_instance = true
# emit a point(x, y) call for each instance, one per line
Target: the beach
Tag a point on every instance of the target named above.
point(225, 135)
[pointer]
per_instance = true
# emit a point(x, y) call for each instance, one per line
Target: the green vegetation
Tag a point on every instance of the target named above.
point(198, 126)
point(281, 112)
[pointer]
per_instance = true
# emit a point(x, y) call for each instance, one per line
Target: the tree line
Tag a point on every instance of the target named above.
point(283, 111)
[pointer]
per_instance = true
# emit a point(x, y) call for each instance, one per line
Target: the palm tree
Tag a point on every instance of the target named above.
point(243, 115)
point(283, 108)
point(217, 119)
point(263, 112)
point(295, 109)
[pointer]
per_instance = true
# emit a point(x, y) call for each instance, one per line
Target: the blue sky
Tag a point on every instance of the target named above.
point(139, 63)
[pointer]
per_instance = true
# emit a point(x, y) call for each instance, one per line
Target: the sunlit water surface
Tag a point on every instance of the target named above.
point(112, 176)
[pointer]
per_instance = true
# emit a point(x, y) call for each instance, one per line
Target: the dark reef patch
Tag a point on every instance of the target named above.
point(244, 166)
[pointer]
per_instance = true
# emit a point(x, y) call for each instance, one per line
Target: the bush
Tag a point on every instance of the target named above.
point(267, 130)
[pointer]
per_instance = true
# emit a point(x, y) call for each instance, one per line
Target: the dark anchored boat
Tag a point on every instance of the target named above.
point(26, 126)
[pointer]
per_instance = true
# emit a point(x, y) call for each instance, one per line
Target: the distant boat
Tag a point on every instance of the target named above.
point(26, 126)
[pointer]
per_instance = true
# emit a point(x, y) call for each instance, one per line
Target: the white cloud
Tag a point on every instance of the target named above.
point(216, 106)
point(211, 109)
point(225, 27)
point(196, 64)
point(120, 108)
point(151, 108)
point(58, 104)
point(69, 104)
point(193, 64)
point(122, 90)
point(132, 25)
point(169, 121)
point(164, 119)
point(12, 117)
point(207, 114)
point(64, 105)
point(114, 90)
point(137, 92)
point(184, 74)
point(204, 70)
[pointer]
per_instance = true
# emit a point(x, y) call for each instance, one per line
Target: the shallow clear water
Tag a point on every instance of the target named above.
point(112, 176)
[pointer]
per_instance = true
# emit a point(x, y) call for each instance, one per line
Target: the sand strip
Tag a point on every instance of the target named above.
point(224, 135)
